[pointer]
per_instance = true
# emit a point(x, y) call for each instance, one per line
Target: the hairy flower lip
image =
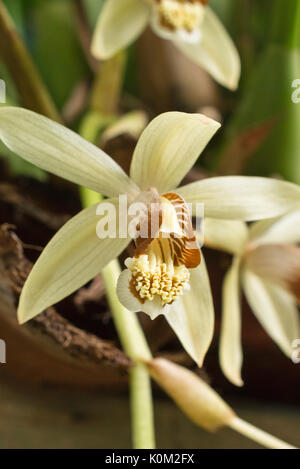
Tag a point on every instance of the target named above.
point(160, 265)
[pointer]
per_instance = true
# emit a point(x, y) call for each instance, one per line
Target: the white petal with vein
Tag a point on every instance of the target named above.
point(120, 23)
point(73, 257)
point(231, 353)
point(192, 316)
point(274, 308)
point(226, 235)
point(60, 151)
point(168, 148)
point(242, 197)
point(283, 230)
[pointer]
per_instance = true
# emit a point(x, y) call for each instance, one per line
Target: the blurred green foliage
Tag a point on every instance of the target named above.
point(267, 97)
point(49, 29)
point(56, 48)
point(93, 8)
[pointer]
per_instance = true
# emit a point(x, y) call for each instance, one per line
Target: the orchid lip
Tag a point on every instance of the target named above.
point(159, 269)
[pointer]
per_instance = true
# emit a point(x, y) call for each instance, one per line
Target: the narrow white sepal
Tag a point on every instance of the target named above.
point(120, 23)
point(231, 353)
point(60, 151)
point(192, 316)
point(243, 198)
point(74, 256)
point(274, 308)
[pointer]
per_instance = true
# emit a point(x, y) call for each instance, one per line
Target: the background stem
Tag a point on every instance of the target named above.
point(141, 408)
point(108, 83)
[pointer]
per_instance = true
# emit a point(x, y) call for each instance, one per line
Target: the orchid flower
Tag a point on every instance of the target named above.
point(165, 275)
point(190, 24)
point(266, 265)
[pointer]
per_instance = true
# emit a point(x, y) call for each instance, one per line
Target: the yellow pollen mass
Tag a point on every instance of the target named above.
point(178, 15)
point(157, 279)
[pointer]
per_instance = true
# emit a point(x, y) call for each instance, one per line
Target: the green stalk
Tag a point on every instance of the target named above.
point(286, 24)
point(106, 91)
point(141, 408)
point(14, 54)
point(129, 330)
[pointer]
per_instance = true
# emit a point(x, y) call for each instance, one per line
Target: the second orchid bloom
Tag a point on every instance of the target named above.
point(166, 274)
point(191, 25)
point(266, 266)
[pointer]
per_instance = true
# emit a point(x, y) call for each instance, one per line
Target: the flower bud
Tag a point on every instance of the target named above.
point(192, 395)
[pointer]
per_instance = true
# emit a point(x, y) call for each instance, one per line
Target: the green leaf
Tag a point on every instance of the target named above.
point(268, 97)
point(56, 48)
point(93, 8)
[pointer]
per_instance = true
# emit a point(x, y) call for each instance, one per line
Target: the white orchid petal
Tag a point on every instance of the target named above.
point(169, 147)
point(124, 293)
point(274, 308)
point(73, 257)
point(258, 228)
point(120, 23)
point(132, 123)
point(279, 263)
point(154, 308)
point(242, 197)
point(226, 235)
point(215, 51)
point(60, 151)
point(192, 316)
point(231, 353)
point(284, 230)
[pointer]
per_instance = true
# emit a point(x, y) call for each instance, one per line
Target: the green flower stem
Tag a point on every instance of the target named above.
point(106, 91)
point(286, 25)
point(136, 347)
point(257, 435)
point(129, 330)
point(22, 69)
point(141, 408)
point(93, 124)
